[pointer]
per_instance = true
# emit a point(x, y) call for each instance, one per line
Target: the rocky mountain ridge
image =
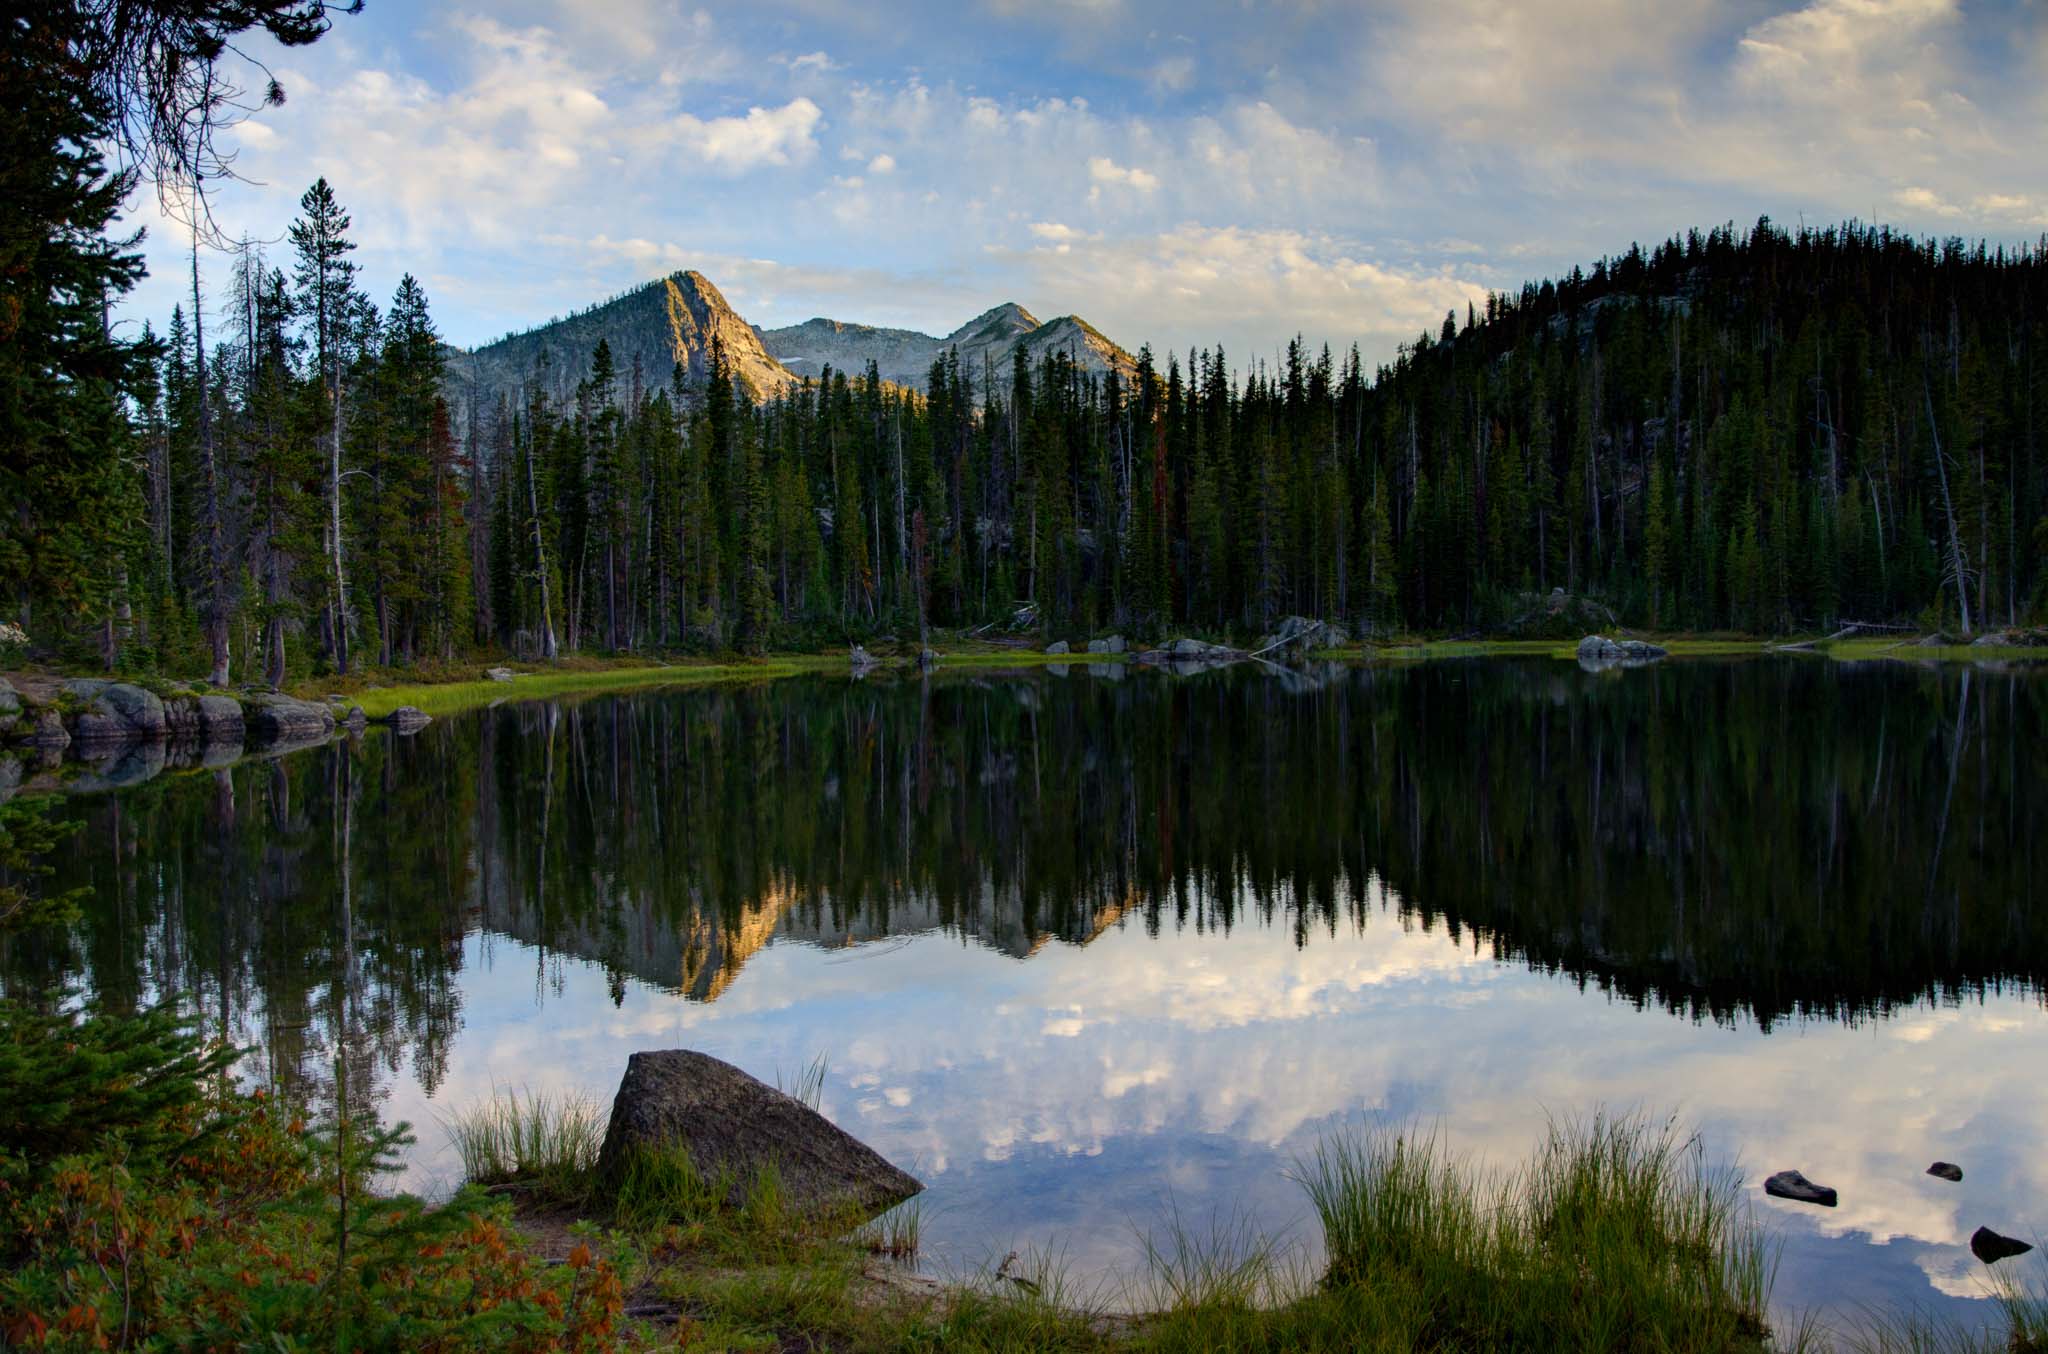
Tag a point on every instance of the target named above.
point(673, 320)
point(987, 345)
point(677, 319)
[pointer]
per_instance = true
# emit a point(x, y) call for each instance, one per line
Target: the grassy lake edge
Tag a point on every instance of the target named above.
point(466, 687)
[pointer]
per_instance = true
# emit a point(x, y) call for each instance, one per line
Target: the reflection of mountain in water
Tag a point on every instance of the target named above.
point(699, 954)
point(1763, 837)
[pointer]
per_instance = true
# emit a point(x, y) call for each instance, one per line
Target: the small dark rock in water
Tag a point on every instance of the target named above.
point(409, 719)
point(1990, 1247)
point(733, 1126)
point(1796, 1187)
point(1947, 1170)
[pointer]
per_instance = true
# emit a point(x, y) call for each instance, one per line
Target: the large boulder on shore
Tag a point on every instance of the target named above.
point(1302, 633)
point(1598, 651)
point(114, 711)
point(270, 716)
point(209, 719)
point(732, 1127)
point(1059, 646)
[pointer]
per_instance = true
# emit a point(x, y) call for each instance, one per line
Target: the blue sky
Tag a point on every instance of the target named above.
point(1183, 174)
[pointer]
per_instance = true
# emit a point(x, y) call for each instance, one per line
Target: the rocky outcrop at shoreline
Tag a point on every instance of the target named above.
point(123, 733)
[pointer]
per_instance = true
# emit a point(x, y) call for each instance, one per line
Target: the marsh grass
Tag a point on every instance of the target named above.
point(1615, 1236)
point(809, 1086)
point(1224, 1262)
point(440, 698)
point(896, 1234)
point(2019, 1296)
point(540, 1140)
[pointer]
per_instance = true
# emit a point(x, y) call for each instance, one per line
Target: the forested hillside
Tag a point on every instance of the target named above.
point(1754, 430)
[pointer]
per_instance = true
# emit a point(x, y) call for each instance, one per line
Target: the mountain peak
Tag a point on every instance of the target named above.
point(670, 322)
point(1009, 319)
point(986, 344)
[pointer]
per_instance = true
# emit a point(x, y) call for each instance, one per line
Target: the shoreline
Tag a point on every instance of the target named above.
point(539, 681)
point(34, 705)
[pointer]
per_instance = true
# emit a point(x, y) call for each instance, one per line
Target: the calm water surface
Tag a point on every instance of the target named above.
point(1083, 948)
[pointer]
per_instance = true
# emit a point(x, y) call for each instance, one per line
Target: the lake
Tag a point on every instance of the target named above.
point(1084, 946)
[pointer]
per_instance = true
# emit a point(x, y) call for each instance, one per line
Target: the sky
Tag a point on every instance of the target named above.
point(1182, 174)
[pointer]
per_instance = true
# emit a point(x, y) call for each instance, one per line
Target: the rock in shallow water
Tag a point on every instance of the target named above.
point(409, 719)
point(733, 1126)
point(1990, 1247)
point(271, 716)
point(1597, 651)
point(1947, 1170)
point(1796, 1187)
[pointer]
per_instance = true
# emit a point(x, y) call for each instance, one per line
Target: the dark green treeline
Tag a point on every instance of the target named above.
point(1724, 841)
point(1757, 431)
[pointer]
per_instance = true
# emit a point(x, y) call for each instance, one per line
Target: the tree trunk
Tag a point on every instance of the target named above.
point(216, 529)
point(334, 520)
point(1955, 540)
point(540, 563)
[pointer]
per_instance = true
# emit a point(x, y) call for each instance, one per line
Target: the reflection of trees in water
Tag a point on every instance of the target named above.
point(226, 888)
point(1756, 837)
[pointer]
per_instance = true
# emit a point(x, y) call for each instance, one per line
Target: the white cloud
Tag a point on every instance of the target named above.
point(1925, 201)
point(1173, 74)
point(1102, 169)
point(1237, 286)
point(765, 136)
point(882, 164)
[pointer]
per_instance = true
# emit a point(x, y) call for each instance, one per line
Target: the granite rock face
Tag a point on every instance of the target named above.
point(114, 711)
point(408, 719)
point(1598, 651)
point(673, 321)
point(732, 1127)
point(210, 719)
point(988, 342)
point(269, 716)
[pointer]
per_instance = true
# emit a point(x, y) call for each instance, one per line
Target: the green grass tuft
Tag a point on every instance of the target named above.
point(1616, 1236)
point(544, 1141)
point(896, 1234)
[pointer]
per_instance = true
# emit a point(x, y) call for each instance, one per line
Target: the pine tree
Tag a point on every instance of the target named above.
point(328, 301)
point(73, 504)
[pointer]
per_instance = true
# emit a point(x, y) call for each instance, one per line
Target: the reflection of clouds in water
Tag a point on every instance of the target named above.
point(1203, 1064)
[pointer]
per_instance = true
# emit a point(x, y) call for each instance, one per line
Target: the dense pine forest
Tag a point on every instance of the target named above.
point(1761, 431)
